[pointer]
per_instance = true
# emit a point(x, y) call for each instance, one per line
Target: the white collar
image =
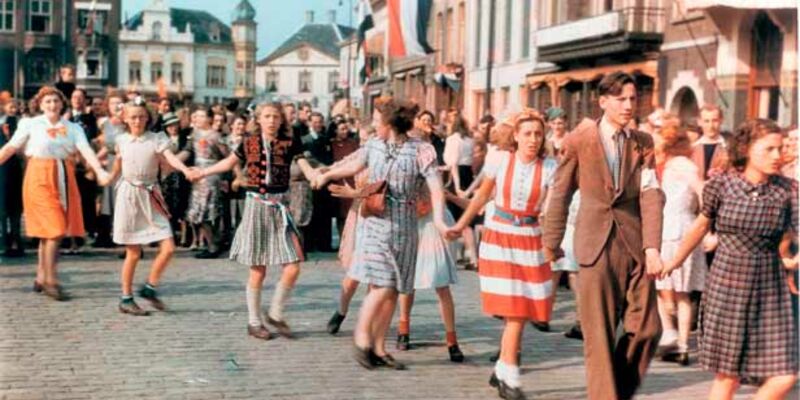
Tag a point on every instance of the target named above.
point(705, 140)
point(606, 129)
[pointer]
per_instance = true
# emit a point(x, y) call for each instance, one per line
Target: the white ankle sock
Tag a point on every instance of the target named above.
point(278, 301)
point(253, 306)
point(512, 376)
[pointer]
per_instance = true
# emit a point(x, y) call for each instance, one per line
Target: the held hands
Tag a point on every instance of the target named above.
point(552, 255)
point(103, 178)
point(344, 191)
point(319, 181)
point(654, 267)
point(194, 174)
point(454, 232)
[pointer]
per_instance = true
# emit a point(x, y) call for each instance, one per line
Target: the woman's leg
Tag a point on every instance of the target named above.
point(556, 280)
point(50, 264)
point(165, 252)
point(404, 322)
point(373, 302)
point(507, 368)
point(469, 246)
point(349, 287)
point(255, 282)
point(684, 306)
point(666, 312)
point(448, 312)
point(382, 322)
point(724, 387)
point(40, 274)
point(132, 256)
point(776, 387)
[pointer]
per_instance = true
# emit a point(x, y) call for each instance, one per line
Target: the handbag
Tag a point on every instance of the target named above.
point(374, 194)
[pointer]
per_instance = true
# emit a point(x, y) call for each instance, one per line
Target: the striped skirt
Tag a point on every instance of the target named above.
point(267, 234)
point(51, 200)
point(515, 280)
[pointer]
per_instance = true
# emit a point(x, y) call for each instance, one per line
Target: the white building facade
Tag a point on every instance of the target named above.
point(514, 56)
point(182, 54)
point(305, 68)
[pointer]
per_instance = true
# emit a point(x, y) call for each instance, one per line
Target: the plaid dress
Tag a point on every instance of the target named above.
point(747, 326)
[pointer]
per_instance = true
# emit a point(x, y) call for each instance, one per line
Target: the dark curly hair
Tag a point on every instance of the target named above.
point(399, 114)
point(745, 135)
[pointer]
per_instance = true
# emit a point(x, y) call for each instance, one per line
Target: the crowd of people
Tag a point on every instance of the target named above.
point(661, 228)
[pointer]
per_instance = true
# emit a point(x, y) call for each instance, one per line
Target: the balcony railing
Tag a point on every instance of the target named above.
point(647, 20)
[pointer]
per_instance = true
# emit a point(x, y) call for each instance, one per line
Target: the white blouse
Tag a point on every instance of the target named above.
point(67, 137)
point(458, 150)
point(522, 181)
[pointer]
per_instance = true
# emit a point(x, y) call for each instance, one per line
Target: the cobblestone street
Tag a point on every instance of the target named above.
point(85, 349)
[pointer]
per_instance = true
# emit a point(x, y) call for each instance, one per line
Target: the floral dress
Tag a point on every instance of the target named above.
point(206, 199)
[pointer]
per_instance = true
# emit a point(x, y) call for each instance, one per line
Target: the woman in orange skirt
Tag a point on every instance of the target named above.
point(50, 197)
point(515, 280)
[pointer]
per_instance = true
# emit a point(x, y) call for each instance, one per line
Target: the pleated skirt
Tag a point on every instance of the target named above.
point(267, 234)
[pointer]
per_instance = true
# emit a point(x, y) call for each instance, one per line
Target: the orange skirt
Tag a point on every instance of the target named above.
point(45, 216)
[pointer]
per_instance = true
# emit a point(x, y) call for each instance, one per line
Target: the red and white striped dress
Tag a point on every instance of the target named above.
point(515, 279)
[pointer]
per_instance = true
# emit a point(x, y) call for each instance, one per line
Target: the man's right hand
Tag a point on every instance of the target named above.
point(551, 255)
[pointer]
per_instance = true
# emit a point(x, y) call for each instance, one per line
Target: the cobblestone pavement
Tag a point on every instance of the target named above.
point(85, 349)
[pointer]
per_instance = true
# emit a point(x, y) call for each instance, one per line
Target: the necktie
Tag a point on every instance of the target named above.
point(619, 142)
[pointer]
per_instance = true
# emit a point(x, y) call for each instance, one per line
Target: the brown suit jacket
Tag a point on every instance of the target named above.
point(718, 159)
point(637, 215)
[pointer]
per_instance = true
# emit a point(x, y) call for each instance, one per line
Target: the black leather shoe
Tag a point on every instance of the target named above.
point(56, 292)
point(681, 358)
point(389, 362)
point(574, 333)
point(207, 255)
point(509, 393)
point(456, 355)
point(150, 295)
point(493, 381)
point(282, 327)
point(37, 287)
point(403, 342)
point(130, 307)
point(259, 332)
point(541, 326)
point(335, 323)
point(364, 357)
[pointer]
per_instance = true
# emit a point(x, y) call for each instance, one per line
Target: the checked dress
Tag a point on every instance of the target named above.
point(747, 326)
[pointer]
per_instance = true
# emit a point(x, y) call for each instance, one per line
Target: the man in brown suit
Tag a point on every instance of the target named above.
point(617, 239)
point(709, 151)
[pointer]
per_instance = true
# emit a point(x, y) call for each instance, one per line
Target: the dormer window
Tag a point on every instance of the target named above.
point(214, 33)
point(156, 30)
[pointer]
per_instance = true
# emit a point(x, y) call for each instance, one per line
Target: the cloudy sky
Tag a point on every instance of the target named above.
point(277, 19)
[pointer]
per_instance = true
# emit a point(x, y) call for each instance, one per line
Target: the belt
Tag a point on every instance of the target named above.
point(515, 219)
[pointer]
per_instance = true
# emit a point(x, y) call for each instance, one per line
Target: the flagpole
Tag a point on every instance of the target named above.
point(490, 58)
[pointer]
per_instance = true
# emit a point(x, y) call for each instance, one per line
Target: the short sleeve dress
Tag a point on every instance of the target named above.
point(206, 199)
point(747, 326)
point(140, 212)
point(386, 254)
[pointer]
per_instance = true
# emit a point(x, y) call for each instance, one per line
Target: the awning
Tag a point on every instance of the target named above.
point(559, 79)
point(754, 4)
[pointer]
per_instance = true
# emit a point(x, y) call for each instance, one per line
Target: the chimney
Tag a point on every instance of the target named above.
point(309, 17)
point(332, 16)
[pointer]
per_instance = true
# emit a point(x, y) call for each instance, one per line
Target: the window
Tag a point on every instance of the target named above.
point(462, 15)
point(156, 71)
point(6, 15)
point(215, 76)
point(507, 33)
point(135, 72)
point(271, 81)
point(39, 16)
point(156, 30)
point(176, 73)
point(333, 81)
point(526, 28)
point(214, 33)
point(450, 38)
point(39, 70)
point(90, 22)
point(93, 65)
point(478, 28)
point(305, 82)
